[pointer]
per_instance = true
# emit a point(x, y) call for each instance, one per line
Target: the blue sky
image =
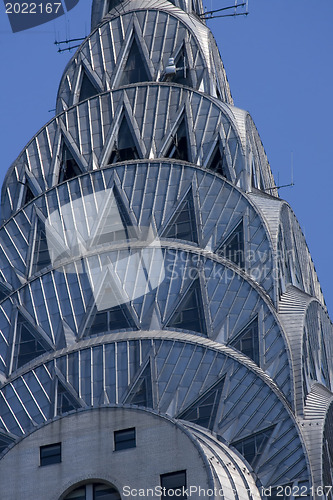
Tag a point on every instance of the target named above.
point(279, 65)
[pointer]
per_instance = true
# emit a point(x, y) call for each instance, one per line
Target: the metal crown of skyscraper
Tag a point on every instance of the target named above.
point(161, 320)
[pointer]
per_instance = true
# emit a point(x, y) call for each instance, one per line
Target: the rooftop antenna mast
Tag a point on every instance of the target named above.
point(291, 183)
point(225, 11)
point(68, 42)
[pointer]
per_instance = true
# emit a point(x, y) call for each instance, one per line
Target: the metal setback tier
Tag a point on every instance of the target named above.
point(163, 332)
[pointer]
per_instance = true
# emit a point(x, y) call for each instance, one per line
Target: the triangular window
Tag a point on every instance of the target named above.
point(110, 315)
point(247, 341)
point(28, 343)
point(141, 393)
point(41, 257)
point(203, 410)
point(189, 314)
point(125, 148)
point(218, 162)
point(28, 195)
point(135, 69)
point(178, 148)
point(111, 320)
point(232, 247)
point(253, 446)
point(88, 89)
point(65, 401)
point(69, 168)
point(115, 224)
point(183, 225)
point(4, 292)
point(4, 442)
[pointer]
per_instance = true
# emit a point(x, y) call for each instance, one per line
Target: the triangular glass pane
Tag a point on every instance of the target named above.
point(217, 162)
point(41, 257)
point(69, 168)
point(135, 68)
point(65, 401)
point(110, 316)
point(183, 225)
point(203, 410)
point(125, 148)
point(253, 446)
point(189, 314)
point(248, 341)
point(178, 148)
point(88, 89)
point(141, 393)
point(28, 344)
point(232, 248)
point(115, 224)
point(28, 195)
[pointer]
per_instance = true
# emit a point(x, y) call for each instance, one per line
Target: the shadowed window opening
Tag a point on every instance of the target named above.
point(189, 314)
point(253, 446)
point(183, 225)
point(124, 148)
point(218, 162)
point(94, 491)
point(248, 341)
point(135, 68)
point(124, 439)
point(28, 345)
point(88, 89)
point(68, 168)
point(4, 442)
point(178, 148)
point(50, 454)
point(28, 195)
point(203, 410)
point(65, 401)
point(232, 247)
point(41, 257)
point(141, 393)
point(172, 482)
point(113, 319)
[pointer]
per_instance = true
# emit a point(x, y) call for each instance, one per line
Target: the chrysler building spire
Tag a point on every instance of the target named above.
point(162, 327)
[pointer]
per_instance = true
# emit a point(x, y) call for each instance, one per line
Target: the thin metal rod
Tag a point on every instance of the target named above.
point(68, 48)
point(226, 15)
point(69, 41)
point(223, 8)
point(279, 187)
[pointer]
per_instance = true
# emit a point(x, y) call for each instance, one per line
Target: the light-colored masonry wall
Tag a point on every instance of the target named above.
point(88, 452)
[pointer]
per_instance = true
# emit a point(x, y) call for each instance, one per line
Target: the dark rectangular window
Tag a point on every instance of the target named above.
point(124, 439)
point(50, 454)
point(174, 484)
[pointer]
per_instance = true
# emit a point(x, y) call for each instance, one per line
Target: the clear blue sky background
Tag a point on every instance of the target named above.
point(279, 65)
